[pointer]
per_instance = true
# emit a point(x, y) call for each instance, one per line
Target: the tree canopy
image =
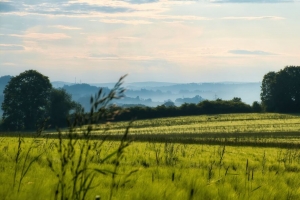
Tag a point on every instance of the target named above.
point(280, 91)
point(26, 98)
point(60, 105)
point(204, 107)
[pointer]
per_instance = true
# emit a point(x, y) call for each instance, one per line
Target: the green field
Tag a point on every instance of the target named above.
point(269, 130)
point(235, 156)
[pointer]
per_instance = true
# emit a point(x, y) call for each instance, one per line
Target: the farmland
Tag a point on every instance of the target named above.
point(273, 130)
point(234, 156)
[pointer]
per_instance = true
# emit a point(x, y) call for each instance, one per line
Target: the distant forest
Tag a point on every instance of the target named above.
point(204, 107)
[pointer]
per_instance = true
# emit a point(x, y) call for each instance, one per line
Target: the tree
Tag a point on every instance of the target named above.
point(236, 99)
point(60, 106)
point(280, 92)
point(169, 103)
point(256, 107)
point(267, 94)
point(26, 98)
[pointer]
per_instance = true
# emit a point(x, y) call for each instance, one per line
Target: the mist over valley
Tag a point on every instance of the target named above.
point(153, 94)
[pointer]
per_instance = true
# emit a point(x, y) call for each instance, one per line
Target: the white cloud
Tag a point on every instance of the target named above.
point(66, 27)
point(42, 36)
point(248, 52)
point(9, 64)
point(253, 1)
point(127, 38)
point(118, 57)
point(118, 21)
point(11, 47)
point(254, 18)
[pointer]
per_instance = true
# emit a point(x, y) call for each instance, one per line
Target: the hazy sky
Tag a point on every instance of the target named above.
point(169, 41)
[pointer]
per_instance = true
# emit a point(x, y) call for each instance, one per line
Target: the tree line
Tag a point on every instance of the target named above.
point(218, 106)
point(30, 99)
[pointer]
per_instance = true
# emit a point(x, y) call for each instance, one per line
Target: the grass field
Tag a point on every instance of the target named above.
point(238, 156)
point(269, 130)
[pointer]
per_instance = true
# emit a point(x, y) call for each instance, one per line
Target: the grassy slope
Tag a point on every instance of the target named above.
point(272, 130)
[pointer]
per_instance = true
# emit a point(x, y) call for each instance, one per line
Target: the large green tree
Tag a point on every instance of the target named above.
point(267, 94)
point(280, 91)
point(60, 106)
point(26, 99)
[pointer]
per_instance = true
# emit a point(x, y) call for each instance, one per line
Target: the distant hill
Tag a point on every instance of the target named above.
point(160, 91)
point(156, 93)
point(196, 99)
point(60, 84)
point(81, 90)
point(3, 82)
point(135, 85)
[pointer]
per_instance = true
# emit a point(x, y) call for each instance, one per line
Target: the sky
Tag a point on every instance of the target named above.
point(97, 41)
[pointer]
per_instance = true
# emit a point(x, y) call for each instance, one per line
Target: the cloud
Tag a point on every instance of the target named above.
point(127, 38)
point(34, 2)
point(11, 47)
point(253, 1)
point(9, 64)
point(254, 18)
point(247, 52)
point(182, 17)
point(42, 36)
point(141, 1)
point(74, 9)
point(66, 27)
point(77, 8)
point(118, 21)
point(93, 8)
point(60, 7)
point(6, 7)
point(113, 12)
point(103, 56)
point(89, 8)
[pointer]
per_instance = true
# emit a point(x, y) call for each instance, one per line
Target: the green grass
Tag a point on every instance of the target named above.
point(227, 123)
point(272, 173)
point(268, 130)
point(263, 163)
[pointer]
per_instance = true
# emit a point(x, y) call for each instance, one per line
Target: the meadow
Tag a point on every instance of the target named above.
point(232, 156)
point(265, 129)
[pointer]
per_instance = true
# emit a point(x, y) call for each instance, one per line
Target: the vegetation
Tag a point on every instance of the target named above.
point(29, 100)
point(26, 98)
point(71, 154)
point(264, 130)
point(238, 163)
point(165, 165)
point(204, 107)
point(59, 107)
point(280, 91)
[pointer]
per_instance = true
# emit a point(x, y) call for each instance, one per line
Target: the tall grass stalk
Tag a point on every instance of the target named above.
point(75, 171)
point(24, 158)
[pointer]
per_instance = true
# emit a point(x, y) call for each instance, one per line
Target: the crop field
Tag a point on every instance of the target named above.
point(236, 156)
point(226, 123)
point(273, 130)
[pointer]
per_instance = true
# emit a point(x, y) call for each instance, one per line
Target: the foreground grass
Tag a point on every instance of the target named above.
point(175, 164)
point(171, 171)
